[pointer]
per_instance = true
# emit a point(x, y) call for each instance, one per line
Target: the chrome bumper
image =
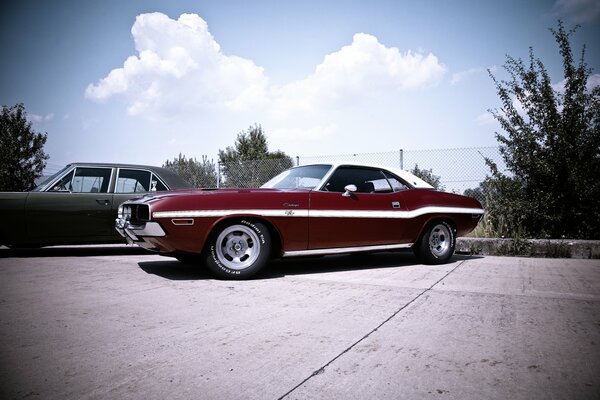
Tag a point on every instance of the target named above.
point(135, 232)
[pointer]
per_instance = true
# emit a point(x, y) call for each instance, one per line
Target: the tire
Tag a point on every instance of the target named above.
point(437, 243)
point(238, 250)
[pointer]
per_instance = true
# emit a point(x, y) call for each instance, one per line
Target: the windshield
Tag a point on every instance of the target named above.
point(307, 177)
point(46, 181)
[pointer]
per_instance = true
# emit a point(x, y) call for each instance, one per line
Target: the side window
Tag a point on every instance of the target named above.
point(157, 185)
point(138, 181)
point(64, 185)
point(397, 185)
point(366, 180)
point(133, 181)
point(84, 180)
point(90, 180)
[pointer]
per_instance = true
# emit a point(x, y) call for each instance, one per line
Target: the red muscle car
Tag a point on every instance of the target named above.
point(305, 211)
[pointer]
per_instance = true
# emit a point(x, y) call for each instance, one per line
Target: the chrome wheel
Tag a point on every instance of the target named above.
point(437, 243)
point(440, 240)
point(238, 247)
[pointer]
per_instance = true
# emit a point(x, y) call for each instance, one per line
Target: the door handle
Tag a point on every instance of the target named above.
point(103, 202)
point(395, 204)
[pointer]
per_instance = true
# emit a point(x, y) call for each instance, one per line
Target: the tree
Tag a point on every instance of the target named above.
point(428, 176)
point(551, 147)
point(22, 158)
point(201, 174)
point(250, 163)
point(480, 192)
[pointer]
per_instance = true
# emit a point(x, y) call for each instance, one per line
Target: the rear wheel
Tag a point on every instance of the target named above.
point(437, 243)
point(238, 250)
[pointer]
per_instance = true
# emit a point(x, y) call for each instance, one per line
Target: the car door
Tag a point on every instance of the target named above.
point(76, 208)
point(369, 215)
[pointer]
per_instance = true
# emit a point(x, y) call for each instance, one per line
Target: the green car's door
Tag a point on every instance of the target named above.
point(77, 209)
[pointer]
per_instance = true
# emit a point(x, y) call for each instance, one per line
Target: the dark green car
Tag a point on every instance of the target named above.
point(78, 204)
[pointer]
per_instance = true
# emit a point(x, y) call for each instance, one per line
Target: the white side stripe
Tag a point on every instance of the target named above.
point(224, 213)
point(392, 214)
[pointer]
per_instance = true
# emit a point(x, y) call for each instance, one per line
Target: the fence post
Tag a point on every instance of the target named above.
point(401, 159)
point(218, 174)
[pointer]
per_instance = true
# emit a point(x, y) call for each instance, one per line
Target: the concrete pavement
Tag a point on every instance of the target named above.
point(119, 323)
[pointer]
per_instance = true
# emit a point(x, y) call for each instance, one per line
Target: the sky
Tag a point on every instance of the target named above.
point(134, 81)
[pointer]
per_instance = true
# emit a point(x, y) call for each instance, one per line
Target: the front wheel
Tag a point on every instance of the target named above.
point(437, 243)
point(238, 250)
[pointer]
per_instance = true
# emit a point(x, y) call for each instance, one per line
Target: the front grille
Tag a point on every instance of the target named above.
point(137, 213)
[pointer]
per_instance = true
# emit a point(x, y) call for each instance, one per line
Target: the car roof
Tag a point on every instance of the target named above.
point(409, 177)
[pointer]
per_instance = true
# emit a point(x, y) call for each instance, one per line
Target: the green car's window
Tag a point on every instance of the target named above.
point(157, 185)
point(64, 185)
point(137, 181)
point(84, 180)
point(91, 180)
point(133, 181)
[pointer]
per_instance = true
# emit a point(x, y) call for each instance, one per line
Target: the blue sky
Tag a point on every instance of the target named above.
point(142, 81)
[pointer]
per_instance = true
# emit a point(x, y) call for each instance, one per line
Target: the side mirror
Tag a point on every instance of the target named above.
point(349, 189)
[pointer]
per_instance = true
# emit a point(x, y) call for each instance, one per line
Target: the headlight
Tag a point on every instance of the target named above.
point(127, 213)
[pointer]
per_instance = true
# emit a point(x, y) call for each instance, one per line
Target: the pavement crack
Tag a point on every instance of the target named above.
point(321, 370)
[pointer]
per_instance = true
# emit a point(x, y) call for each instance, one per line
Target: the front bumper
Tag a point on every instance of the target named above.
point(136, 233)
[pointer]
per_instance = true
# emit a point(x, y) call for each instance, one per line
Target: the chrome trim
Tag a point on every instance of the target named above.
point(183, 221)
point(343, 250)
point(349, 190)
point(134, 231)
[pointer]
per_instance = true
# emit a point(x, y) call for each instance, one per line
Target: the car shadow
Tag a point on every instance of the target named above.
point(73, 251)
point(174, 270)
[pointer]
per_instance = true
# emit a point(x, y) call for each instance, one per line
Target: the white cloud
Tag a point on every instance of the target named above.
point(366, 63)
point(364, 67)
point(180, 71)
point(358, 76)
point(461, 76)
point(41, 118)
point(593, 81)
point(485, 119)
point(578, 11)
point(179, 67)
point(458, 77)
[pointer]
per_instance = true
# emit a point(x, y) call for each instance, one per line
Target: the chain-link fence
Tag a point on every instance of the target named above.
point(251, 173)
point(458, 169)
